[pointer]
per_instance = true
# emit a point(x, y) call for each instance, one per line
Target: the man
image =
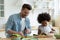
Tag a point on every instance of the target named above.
point(19, 23)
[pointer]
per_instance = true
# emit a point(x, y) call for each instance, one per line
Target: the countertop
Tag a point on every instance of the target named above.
point(10, 39)
point(57, 39)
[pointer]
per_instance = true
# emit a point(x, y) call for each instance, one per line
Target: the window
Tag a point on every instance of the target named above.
point(1, 8)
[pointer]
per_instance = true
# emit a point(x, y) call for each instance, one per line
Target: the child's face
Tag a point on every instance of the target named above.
point(44, 23)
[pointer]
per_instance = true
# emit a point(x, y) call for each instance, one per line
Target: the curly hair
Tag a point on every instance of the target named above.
point(43, 17)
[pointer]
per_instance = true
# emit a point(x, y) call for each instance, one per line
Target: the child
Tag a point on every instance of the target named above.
point(44, 28)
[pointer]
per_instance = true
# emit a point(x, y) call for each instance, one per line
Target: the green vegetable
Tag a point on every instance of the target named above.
point(35, 35)
point(16, 35)
point(57, 36)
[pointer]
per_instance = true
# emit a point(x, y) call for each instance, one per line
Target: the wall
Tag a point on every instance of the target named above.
point(10, 7)
point(57, 21)
point(14, 6)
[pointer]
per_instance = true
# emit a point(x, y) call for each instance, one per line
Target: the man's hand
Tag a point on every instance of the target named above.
point(14, 32)
point(27, 31)
point(20, 33)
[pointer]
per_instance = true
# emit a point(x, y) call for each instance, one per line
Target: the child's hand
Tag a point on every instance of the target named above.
point(51, 31)
point(43, 34)
point(51, 34)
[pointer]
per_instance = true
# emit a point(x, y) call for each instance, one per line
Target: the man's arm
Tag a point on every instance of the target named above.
point(14, 32)
point(28, 29)
point(9, 25)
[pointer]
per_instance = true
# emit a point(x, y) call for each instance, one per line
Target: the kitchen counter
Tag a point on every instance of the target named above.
point(2, 30)
point(10, 39)
point(5, 39)
point(57, 39)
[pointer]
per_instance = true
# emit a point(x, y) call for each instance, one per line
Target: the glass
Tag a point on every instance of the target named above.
point(1, 13)
point(1, 1)
point(1, 7)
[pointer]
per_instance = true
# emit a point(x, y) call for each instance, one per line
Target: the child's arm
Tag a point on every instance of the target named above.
point(52, 30)
point(39, 31)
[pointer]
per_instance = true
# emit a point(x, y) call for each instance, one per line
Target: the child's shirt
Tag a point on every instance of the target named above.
point(46, 29)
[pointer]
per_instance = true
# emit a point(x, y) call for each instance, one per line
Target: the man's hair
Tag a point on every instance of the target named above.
point(43, 17)
point(26, 6)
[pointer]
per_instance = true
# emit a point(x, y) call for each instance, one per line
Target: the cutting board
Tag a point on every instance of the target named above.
point(46, 39)
point(5, 39)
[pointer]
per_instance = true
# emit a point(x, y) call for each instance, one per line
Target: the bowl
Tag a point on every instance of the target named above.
point(57, 36)
point(17, 38)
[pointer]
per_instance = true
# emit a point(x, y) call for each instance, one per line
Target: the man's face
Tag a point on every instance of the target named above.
point(24, 12)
